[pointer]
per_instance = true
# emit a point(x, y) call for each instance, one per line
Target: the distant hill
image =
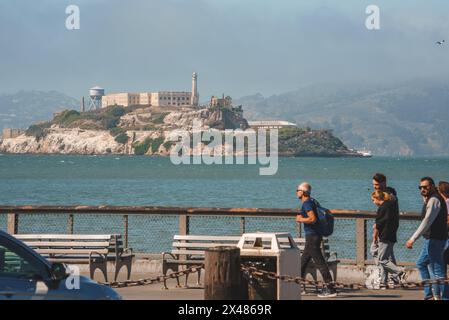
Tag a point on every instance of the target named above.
point(21, 109)
point(405, 119)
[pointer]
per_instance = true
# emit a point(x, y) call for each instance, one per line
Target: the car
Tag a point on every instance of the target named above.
point(24, 274)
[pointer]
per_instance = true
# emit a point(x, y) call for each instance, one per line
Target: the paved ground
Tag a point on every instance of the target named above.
point(194, 292)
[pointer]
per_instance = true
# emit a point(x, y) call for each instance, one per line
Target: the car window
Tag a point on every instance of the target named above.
point(12, 265)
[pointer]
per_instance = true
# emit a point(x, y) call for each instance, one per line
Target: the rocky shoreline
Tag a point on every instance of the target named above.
point(145, 131)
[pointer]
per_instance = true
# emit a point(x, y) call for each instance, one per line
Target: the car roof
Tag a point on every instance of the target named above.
point(7, 236)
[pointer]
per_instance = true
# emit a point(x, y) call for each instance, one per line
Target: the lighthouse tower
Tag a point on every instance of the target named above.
point(195, 96)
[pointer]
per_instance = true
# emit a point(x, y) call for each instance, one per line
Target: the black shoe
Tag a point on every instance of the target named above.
point(327, 293)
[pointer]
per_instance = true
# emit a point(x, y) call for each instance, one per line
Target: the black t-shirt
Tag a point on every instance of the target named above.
point(387, 221)
point(392, 191)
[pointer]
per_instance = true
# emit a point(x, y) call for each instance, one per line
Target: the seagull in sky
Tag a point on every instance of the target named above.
point(440, 42)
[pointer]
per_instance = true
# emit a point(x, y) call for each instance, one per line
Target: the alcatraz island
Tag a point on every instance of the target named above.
point(139, 124)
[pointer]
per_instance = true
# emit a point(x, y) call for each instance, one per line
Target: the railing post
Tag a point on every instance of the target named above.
point(126, 225)
point(361, 244)
point(12, 223)
point(299, 229)
point(184, 224)
point(242, 225)
point(70, 224)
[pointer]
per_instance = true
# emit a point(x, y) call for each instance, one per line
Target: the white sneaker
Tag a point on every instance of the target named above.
point(327, 293)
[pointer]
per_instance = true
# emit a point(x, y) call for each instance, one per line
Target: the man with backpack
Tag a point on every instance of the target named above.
point(314, 236)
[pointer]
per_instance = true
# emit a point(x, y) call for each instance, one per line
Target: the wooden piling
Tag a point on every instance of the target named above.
point(223, 278)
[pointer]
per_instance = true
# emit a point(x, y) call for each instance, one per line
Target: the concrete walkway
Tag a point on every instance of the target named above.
point(194, 292)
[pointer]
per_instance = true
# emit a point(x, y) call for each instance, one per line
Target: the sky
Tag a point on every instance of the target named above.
point(238, 47)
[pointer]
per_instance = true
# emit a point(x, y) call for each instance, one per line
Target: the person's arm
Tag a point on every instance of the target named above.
point(432, 209)
point(375, 233)
point(311, 217)
point(382, 216)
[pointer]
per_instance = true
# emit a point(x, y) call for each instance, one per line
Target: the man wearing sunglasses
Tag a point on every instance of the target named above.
point(312, 249)
point(433, 228)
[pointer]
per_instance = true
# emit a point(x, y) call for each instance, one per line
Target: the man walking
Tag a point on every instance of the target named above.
point(312, 250)
point(433, 228)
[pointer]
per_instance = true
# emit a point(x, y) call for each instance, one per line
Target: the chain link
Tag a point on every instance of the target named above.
point(155, 279)
point(251, 270)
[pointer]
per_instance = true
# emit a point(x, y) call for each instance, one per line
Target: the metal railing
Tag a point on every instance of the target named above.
point(150, 229)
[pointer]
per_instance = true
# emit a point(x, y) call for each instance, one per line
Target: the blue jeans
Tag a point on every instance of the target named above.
point(431, 266)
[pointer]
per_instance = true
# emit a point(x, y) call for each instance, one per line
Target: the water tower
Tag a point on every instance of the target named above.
point(95, 94)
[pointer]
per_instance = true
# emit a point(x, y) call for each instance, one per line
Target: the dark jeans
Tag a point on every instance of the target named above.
point(312, 250)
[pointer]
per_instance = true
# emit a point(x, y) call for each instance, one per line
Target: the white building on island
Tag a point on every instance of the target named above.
point(271, 124)
point(157, 99)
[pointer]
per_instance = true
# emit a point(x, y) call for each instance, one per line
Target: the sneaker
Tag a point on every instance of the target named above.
point(383, 287)
point(401, 278)
point(327, 293)
point(429, 298)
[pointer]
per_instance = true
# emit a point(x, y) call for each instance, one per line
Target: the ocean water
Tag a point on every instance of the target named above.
point(131, 180)
point(343, 183)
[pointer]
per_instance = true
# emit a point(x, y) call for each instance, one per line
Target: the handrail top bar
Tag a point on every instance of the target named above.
point(287, 212)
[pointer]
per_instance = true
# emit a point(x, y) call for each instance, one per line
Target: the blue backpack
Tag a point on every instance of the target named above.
point(325, 220)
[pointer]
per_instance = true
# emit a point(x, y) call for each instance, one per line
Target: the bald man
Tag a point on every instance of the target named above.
point(312, 250)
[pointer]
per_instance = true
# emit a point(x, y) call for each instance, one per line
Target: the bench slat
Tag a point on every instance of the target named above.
point(66, 236)
point(71, 251)
point(53, 244)
point(231, 238)
point(189, 252)
point(201, 244)
point(194, 246)
point(207, 238)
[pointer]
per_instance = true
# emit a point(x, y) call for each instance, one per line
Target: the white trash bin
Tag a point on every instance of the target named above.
point(274, 252)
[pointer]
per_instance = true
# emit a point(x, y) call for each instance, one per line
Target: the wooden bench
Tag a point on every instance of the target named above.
point(189, 250)
point(96, 250)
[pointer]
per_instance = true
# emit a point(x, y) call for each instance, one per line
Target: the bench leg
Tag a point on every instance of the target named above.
point(312, 270)
point(199, 277)
point(94, 265)
point(123, 261)
point(174, 268)
point(333, 267)
point(187, 278)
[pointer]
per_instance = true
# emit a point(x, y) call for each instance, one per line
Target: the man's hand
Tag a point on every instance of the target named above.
point(409, 244)
point(299, 218)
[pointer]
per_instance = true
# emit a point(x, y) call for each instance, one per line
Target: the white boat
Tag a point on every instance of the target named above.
point(365, 153)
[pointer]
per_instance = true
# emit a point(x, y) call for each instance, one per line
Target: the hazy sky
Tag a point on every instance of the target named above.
point(238, 47)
